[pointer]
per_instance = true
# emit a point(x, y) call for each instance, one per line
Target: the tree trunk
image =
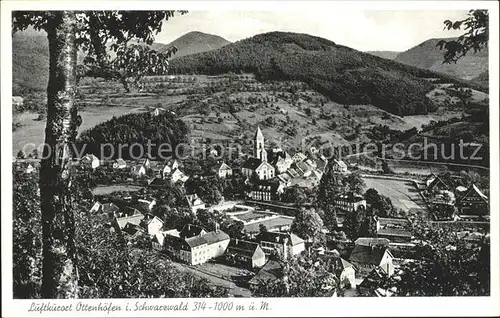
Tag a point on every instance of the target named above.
point(59, 272)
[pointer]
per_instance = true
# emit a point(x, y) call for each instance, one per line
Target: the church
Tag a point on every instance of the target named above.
point(258, 164)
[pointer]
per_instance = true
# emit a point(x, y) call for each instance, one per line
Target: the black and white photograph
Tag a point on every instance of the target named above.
point(219, 160)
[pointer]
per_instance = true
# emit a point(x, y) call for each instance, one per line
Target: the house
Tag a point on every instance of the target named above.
point(196, 249)
point(156, 183)
point(282, 161)
point(29, 169)
point(223, 170)
point(248, 254)
point(138, 170)
point(258, 164)
point(91, 160)
point(119, 223)
point(158, 240)
point(169, 167)
point(366, 258)
point(178, 176)
point(345, 272)
point(298, 157)
point(119, 164)
point(111, 209)
point(473, 202)
point(394, 229)
point(436, 184)
point(371, 286)
point(266, 191)
point(349, 202)
point(194, 202)
point(144, 162)
point(146, 205)
point(190, 230)
point(157, 111)
point(17, 101)
point(152, 224)
point(285, 244)
point(271, 271)
point(372, 241)
point(339, 166)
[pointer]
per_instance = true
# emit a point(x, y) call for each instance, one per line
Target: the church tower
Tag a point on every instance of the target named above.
point(260, 152)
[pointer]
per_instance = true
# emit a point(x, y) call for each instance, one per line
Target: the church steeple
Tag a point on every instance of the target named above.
point(259, 145)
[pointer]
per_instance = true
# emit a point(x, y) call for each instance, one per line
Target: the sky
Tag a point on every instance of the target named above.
point(360, 30)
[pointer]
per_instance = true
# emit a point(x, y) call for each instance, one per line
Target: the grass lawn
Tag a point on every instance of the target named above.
point(403, 194)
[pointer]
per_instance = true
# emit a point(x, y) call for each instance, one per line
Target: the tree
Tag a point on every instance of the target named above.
point(262, 228)
point(355, 183)
point(377, 204)
point(307, 225)
point(445, 265)
point(67, 31)
point(356, 223)
point(20, 155)
point(476, 36)
point(299, 277)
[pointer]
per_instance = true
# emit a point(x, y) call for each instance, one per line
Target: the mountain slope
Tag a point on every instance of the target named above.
point(345, 75)
point(30, 56)
point(390, 55)
point(30, 62)
point(426, 55)
point(196, 42)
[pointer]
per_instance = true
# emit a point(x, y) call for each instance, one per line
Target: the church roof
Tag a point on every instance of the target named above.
point(258, 133)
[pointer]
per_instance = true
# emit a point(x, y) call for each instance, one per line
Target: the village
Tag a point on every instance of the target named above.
point(261, 237)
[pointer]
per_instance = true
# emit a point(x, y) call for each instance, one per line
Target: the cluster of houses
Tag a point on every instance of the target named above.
point(270, 172)
point(465, 201)
point(194, 245)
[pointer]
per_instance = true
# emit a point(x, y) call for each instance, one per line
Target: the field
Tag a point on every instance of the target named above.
point(403, 194)
point(228, 107)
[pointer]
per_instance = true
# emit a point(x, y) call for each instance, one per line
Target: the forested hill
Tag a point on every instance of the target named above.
point(345, 75)
point(428, 56)
point(137, 128)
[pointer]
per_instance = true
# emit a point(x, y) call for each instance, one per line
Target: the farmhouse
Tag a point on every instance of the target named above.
point(248, 254)
point(473, 202)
